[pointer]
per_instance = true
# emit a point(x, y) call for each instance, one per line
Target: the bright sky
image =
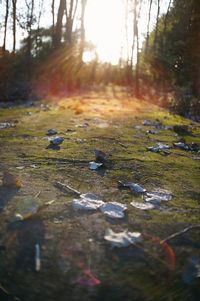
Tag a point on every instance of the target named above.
point(104, 26)
point(104, 21)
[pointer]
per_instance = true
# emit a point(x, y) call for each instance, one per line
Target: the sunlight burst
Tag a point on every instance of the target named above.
point(104, 27)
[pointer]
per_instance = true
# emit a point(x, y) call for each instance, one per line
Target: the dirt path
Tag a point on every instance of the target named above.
point(72, 242)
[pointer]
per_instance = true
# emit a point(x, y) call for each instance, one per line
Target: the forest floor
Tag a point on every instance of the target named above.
point(72, 241)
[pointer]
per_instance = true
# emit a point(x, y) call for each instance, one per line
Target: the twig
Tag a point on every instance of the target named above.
point(179, 233)
point(49, 203)
point(123, 145)
point(37, 195)
point(66, 187)
point(37, 258)
point(4, 290)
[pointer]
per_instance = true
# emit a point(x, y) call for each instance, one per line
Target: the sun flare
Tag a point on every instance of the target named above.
point(103, 27)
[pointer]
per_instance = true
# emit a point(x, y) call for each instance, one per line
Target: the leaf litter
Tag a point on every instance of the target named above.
point(100, 156)
point(56, 140)
point(122, 239)
point(155, 123)
point(26, 208)
point(94, 165)
point(159, 148)
point(158, 195)
point(134, 187)
point(6, 125)
point(113, 209)
point(152, 200)
point(143, 206)
point(10, 180)
point(51, 132)
point(88, 201)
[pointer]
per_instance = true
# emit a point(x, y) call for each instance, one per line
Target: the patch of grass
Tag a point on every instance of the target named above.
point(87, 123)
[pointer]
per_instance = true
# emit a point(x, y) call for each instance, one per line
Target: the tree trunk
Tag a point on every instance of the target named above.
point(29, 41)
point(137, 74)
point(14, 9)
point(126, 32)
point(69, 21)
point(38, 38)
point(148, 25)
point(41, 3)
point(53, 19)
point(58, 29)
point(53, 13)
point(156, 29)
point(83, 6)
point(5, 26)
point(134, 34)
point(165, 23)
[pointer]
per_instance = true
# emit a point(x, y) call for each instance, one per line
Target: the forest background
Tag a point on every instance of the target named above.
point(45, 51)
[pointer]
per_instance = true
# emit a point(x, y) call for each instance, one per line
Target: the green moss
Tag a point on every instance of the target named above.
point(115, 133)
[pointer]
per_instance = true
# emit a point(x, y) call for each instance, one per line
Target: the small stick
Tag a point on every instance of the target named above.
point(66, 187)
point(37, 195)
point(37, 257)
point(121, 184)
point(123, 145)
point(49, 203)
point(4, 290)
point(179, 233)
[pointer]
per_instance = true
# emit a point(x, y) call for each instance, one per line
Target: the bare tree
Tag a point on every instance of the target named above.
point(58, 28)
point(126, 30)
point(137, 4)
point(53, 20)
point(26, 19)
point(82, 43)
point(148, 25)
point(14, 17)
point(134, 31)
point(40, 11)
point(157, 21)
point(70, 12)
point(5, 26)
point(30, 21)
point(137, 12)
point(165, 22)
point(53, 16)
point(69, 8)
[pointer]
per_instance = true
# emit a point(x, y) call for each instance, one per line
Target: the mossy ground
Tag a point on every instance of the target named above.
point(108, 121)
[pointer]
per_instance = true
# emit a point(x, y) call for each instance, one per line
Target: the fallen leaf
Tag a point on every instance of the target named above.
point(122, 239)
point(11, 180)
point(143, 206)
point(94, 165)
point(113, 209)
point(88, 201)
